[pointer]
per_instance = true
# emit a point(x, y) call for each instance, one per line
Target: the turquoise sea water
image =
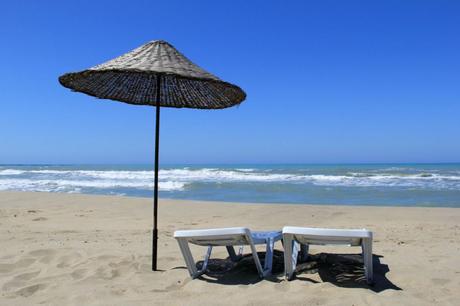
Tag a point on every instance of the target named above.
point(344, 184)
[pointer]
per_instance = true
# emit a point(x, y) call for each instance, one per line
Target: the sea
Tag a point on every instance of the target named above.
point(435, 185)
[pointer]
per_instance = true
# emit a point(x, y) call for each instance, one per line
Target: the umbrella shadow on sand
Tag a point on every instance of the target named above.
point(342, 270)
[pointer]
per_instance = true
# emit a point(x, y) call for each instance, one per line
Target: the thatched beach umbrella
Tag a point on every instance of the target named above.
point(155, 74)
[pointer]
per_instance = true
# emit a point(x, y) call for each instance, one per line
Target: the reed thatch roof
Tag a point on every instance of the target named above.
point(132, 78)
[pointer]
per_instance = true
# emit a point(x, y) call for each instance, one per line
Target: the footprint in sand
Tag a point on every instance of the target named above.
point(79, 274)
point(19, 280)
point(40, 219)
point(107, 273)
point(43, 255)
point(42, 252)
point(119, 291)
point(68, 260)
point(29, 290)
point(26, 276)
point(22, 263)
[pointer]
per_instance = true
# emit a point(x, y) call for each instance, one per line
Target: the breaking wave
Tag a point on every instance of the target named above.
point(179, 179)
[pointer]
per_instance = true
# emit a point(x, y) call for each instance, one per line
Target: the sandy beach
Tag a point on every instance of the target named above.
point(68, 249)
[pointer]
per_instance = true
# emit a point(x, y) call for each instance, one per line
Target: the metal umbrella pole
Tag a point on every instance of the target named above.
point(155, 190)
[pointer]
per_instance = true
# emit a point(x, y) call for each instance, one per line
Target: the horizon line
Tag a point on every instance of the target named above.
point(230, 163)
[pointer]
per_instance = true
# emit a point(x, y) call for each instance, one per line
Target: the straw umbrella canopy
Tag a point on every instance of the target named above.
point(155, 74)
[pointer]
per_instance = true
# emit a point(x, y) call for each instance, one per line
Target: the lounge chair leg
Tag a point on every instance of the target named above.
point(290, 256)
point(303, 252)
point(257, 260)
point(295, 255)
point(187, 254)
point(205, 261)
point(233, 256)
point(240, 251)
point(367, 259)
point(269, 256)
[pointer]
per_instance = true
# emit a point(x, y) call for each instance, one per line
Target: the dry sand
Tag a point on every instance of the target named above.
point(61, 249)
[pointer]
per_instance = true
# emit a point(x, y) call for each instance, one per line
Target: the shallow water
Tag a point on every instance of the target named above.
point(352, 184)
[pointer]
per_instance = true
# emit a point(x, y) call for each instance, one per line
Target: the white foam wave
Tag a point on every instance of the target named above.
point(11, 172)
point(184, 174)
point(170, 186)
point(387, 180)
point(218, 175)
point(178, 179)
point(77, 185)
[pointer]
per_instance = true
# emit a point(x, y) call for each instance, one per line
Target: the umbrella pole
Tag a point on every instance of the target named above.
point(155, 191)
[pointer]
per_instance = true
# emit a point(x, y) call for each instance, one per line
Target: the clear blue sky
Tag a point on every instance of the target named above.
point(326, 81)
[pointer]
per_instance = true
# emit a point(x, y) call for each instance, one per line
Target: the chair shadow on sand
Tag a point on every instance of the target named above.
point(345, 270)
point(342, 270)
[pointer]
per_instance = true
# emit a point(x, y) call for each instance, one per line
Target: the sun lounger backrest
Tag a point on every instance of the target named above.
point(322, 236)
point(314, 240)
point(219, 241)
point(217, 237)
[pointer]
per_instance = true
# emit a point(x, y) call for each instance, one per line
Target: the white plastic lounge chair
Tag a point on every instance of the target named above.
point(228, 237)
point(293, 236)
